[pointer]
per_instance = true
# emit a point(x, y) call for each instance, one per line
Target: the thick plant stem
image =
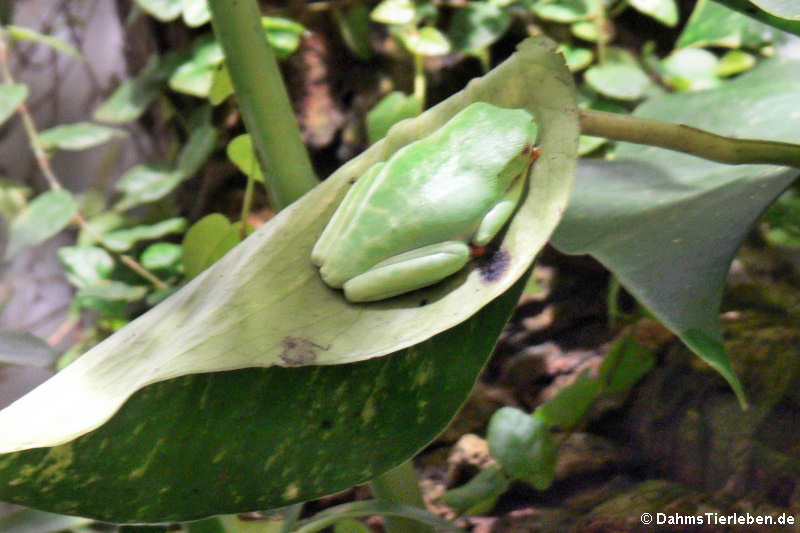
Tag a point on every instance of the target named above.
point(400, 485)
point(687, 139)
point(263, 101)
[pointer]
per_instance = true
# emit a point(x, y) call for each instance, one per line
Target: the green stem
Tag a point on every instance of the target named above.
point(683, 138)
point(400, 485)
point(600, 24)
point(247, 203)
point(263, 100)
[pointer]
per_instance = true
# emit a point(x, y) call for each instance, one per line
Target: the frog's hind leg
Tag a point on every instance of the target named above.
point(343, 213)
point(408, 271)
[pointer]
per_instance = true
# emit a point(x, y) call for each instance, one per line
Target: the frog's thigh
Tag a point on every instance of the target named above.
point(496, 218)
point(408, 271)
point(343, 214)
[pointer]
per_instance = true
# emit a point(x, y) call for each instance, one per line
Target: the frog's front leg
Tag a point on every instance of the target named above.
point(408, 271)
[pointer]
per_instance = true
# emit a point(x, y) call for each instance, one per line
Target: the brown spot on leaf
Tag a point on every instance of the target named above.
point(298, 351)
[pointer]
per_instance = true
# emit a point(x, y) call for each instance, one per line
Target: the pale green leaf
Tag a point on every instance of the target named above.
point(163, 10)
point(576, 58)
point(32, 521)
point(77, 136)
point(123, 239)
point(394, 12)
point(11, 96)
point(24, 348)
point(194, 76)
point(664, 11)
point(206, 242)
point(196, 12)
point(46, 215)
point(620, 81)
point(477, 25)
point(691, 69)
point(565, 11)
point(283, 35)
point(18, 33)
point(427, 41)
point(86, 265)
point(143, 184)
point(392, 108)
point(734, 62)
point(263, 304)
point(221, 85)
point(161, 256)
point(241, 153)
point(112, 291)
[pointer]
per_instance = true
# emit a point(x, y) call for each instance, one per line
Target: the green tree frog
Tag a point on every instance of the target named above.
point(410, 221)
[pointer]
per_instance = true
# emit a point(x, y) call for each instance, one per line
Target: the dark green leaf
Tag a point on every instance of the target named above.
point(130, 100)
point(143, 184)
point(197, 150)
point(668, 224)
point(477, 25)
point(10, 98)
point(480, 491)
point(392, 108)
point(23, 348)
point(364, 508)
point(123, 239)
point(308, 431)
point(625, 364)
point(712, 24)
point(206, 241)
point(523, 446)
point(570, 405)
point(77, 136)
point(350, 525)
point(354, 29)
point(46, 215)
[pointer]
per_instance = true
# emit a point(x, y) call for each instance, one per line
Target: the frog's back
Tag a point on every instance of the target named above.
point(433, 190)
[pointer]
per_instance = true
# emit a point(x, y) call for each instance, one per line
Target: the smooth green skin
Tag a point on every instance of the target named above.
point(409, 222)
